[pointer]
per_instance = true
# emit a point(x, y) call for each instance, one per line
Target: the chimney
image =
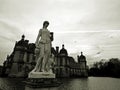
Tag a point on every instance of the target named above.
point(78, 57)
point(57, 49)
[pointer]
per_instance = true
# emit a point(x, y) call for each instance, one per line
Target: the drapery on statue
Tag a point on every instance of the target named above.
point(43, 54)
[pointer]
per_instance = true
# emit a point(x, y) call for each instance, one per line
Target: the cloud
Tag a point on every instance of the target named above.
point(90, 26)
point(9, 33)
point(9, 30)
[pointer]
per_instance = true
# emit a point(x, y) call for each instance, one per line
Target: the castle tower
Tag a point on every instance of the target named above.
point(63, 51)
point(61, 63)
point(57, 49)
point(82, 59)
point(18, 57)
point(83, 66)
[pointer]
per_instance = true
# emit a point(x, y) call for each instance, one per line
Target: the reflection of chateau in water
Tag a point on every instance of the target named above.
point(22, 61)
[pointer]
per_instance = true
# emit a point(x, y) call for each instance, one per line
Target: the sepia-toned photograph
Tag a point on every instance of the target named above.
point(59, 45)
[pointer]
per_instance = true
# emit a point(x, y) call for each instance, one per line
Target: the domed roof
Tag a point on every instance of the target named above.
point(23, 37)
point(22, 42)
point(82, 56)
point(63, 51)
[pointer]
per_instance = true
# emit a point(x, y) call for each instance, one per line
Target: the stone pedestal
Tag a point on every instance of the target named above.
point(42, 79)
point(41, 75)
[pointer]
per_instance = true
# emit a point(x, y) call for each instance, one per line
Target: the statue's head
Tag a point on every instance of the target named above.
point(45, 24)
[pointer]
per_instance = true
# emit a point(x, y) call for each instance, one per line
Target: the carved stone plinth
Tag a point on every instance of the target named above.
point(42, 79)
point(42, 82)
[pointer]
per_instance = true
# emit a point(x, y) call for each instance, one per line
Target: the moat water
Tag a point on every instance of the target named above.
point(91, 83)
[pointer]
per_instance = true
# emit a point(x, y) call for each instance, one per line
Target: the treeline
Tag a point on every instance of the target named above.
point(110, 68)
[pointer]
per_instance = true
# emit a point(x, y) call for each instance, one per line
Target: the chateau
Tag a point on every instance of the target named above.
point(66, 66)
point(22, 61)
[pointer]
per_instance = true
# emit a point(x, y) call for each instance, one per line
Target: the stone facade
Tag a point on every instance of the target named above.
point(66, 66)
point(22, 61)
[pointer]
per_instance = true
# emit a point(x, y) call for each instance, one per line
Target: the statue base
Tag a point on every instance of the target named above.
point(42, 79)
point(41, 75)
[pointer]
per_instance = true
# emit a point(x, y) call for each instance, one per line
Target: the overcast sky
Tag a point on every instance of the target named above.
point(91, 26)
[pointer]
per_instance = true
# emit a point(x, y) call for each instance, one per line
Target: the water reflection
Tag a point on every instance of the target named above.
point(103, 83)
point(91, 83)
point(68, 84)
point(12, 84)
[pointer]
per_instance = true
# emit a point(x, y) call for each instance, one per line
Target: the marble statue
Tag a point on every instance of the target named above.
point(42, 75)
point(44, 58)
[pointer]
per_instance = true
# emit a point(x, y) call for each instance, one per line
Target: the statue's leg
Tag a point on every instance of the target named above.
point(46, 67)
point(39, 59)
point(44, 62)
point(38, 64)
point(46, 57)
point(43, 55)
